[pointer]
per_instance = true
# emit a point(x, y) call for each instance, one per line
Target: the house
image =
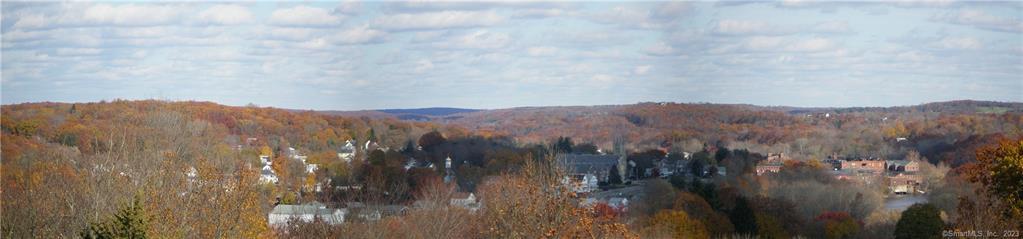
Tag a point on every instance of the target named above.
point(589, 169)
point(412, 163)
point(375, 213)
point(876, 166)
point(265, 159)
point(469, 202)
point(909, 166)
point(267, 175)
point(772, 164)
point(768, 168)
point(581, 183)
point(282, 214)
point(904, 183)
point(347, 152)
point(309, 168)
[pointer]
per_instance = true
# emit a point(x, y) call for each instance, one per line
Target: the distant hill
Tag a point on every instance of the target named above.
point(773, 128)
point(956, 107)
point(434, 111)
point(421, 114)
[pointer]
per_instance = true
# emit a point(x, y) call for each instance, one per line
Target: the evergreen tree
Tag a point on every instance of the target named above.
point(743, 218)
point(129, 222)
point(721, 154)
point(563, 145)
point(613, 177)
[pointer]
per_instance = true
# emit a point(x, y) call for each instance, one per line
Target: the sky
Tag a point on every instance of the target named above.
point(488, 55)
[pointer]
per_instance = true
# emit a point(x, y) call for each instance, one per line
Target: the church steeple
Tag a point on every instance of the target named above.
point(449, 172)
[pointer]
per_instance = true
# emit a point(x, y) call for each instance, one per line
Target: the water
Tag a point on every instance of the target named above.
point(900, 203)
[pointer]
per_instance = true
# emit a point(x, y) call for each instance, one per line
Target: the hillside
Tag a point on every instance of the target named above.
point(72, 163)
point(930, 128)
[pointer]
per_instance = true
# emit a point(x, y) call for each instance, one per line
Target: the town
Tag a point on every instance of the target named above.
point(511, 119)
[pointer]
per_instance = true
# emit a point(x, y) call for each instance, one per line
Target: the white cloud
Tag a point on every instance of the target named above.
point(653, 16)
point(423, 66)
point(960, 43)
point(225, 14)
point(660, 49)
point(542, 13)
point(743, 27)
point(641, 70)
point(438, 20)
point(349, 7)
point(359, 35)
point(732, 27)
point(32, 21)
point(980, 19)
point(542, 51)
point(78, 51)
point(760, 43)
point(812, 45)
point(131, 14)
point(81, 15)
point(304, 16)
point(291, 33)
point(479, 39)
point(832, 27)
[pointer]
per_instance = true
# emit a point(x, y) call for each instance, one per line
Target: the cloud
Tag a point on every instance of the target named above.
point(959, 43)
point(542, 13)
point(348, 8)
point(762, 43)
point(837, 27)
point(479, 39)
point(811, 45)
point(660, 49)
point(980, 19)
point(359, 35)
point(651, 17)
point(131, 15)
point(291, 33)
point(225, 14)
point(453, 47)
point(423, 66)
point(304, 16)
point(641, 70)
point(743, 27)
point(542, 51)
point(82, 15)
point(78, 51)
point(438, 20)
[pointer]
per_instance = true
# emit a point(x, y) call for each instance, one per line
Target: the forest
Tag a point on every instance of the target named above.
point(191, 169)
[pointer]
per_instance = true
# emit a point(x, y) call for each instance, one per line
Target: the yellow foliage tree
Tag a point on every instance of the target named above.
point(675, 224)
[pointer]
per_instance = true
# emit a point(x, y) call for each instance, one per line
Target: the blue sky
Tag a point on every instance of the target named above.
point(371, 55)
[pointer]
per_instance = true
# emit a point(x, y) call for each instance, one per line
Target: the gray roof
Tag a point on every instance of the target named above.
point(899, 162)
point(314, 208)
point(587, 163)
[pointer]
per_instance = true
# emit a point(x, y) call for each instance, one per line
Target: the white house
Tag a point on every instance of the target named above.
point(347, 152)
point(267, 175)
point(282, 214)
point(469, 202)
point(581, 183)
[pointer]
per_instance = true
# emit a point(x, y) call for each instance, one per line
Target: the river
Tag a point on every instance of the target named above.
point(901, 202)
